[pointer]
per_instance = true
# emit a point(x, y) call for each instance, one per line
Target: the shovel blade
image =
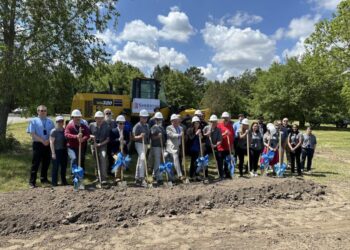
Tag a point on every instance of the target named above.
point(122, 184)
point(168, 184)
point(187, 181)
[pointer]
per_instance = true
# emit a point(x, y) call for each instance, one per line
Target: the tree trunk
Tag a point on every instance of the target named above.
point(4, 113)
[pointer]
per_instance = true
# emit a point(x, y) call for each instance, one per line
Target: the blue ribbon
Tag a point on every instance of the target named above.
point(231, 162)
point(267, 157)
point(202, 163)
point(78, 173)
point(122, 161)
point(166, 167)
point(280, 169)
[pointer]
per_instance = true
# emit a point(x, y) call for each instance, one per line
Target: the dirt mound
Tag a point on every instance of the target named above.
point(41, 209)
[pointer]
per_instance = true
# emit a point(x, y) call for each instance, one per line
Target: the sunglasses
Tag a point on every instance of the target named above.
point(61, 121)
point(42, 110)
point(121, 123)
point(108, 113)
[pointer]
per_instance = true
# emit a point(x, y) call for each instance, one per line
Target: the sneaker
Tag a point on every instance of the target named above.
point(251, 173)
point(144, 183)
point(81, 186)
point(31, 185)
point(104, 183)
point(255, 174)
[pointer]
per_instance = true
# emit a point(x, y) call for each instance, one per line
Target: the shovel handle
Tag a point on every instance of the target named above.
point(79, 151)
point(248, 151)
point(183, 153)
point(144, 153)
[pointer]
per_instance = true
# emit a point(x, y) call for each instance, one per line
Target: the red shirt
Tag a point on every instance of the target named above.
point(230, 134)
point(71, 133)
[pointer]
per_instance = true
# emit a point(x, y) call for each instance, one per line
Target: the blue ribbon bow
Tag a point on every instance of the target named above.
point(122, 161)
point(267, 157)
point(280, 169)
point(202, 163)
point(78, 173)
point(166, 167)
point(231, 162)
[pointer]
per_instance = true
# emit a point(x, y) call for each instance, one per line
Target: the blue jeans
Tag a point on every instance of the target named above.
point(309, 154)
point(61, 160)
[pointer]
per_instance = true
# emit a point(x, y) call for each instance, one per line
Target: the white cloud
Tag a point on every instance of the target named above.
point(176, 26)
point(298, 49)
point(326, 4)
point(109, 38)
point(243, 18)
point(302, 27)
point(279, 34)
point(210, 72)
point(238, 49)
point(145, 57)
point(138, 31)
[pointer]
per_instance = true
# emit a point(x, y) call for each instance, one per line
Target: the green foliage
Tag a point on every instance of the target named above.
point(233, 95)
point(118, 76)
point(38, 38)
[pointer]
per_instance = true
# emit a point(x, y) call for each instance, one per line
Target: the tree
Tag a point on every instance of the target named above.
point(179, 89)
point(44, 34)
point(117, 76)
point(197, 77)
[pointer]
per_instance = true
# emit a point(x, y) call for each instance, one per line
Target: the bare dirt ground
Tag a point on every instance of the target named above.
point(257, 213)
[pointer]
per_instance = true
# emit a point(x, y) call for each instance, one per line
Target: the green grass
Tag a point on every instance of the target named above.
point(331, 162)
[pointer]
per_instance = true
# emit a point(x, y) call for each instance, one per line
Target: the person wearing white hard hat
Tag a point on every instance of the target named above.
point(141, 134)
point(200, 115)
point(73, 137)
point(271, 140)
point(58, 144)
point(119, 135)
point(111, 124)
point(242, 144)
point(213, 140)
point(99, 138)
point(39, 128)
point(226, 128)
point(173, 143)
point(193, 134)
point(157, 134)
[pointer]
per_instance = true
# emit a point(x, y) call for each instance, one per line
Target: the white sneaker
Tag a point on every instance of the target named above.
point(251, 174)
point(144, 183)
point(255, 174)
point(81, 186)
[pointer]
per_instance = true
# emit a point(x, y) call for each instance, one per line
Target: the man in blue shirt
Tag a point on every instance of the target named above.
point(39, 128)
point(236, 127)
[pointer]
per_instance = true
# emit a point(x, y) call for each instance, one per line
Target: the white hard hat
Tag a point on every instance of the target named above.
point(271, 128)
point(198, 112)
point(195, 119)
point(213, 118)
point(158, 115)
point(59, 118)
point(120, 118)
point(143, 113)
point(225, 115)
point(245, 121)
point(174, 117)
point(76, 113)
point(99, 114)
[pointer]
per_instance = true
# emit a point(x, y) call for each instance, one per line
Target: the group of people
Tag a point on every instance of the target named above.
point(156, 144)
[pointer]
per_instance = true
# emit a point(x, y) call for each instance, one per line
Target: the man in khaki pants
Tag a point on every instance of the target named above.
point(100, 137)
point(173, 143)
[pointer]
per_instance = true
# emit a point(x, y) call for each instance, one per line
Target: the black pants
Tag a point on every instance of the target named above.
point(295, 159)
point(194, 156)
point(222, 164)
point(110, 158)
point(240, 153)
point(309, 154)
point(60, 161)
point(254, 158)
point(41, 154)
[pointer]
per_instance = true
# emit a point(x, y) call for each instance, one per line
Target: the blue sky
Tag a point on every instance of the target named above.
point(222, 37)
